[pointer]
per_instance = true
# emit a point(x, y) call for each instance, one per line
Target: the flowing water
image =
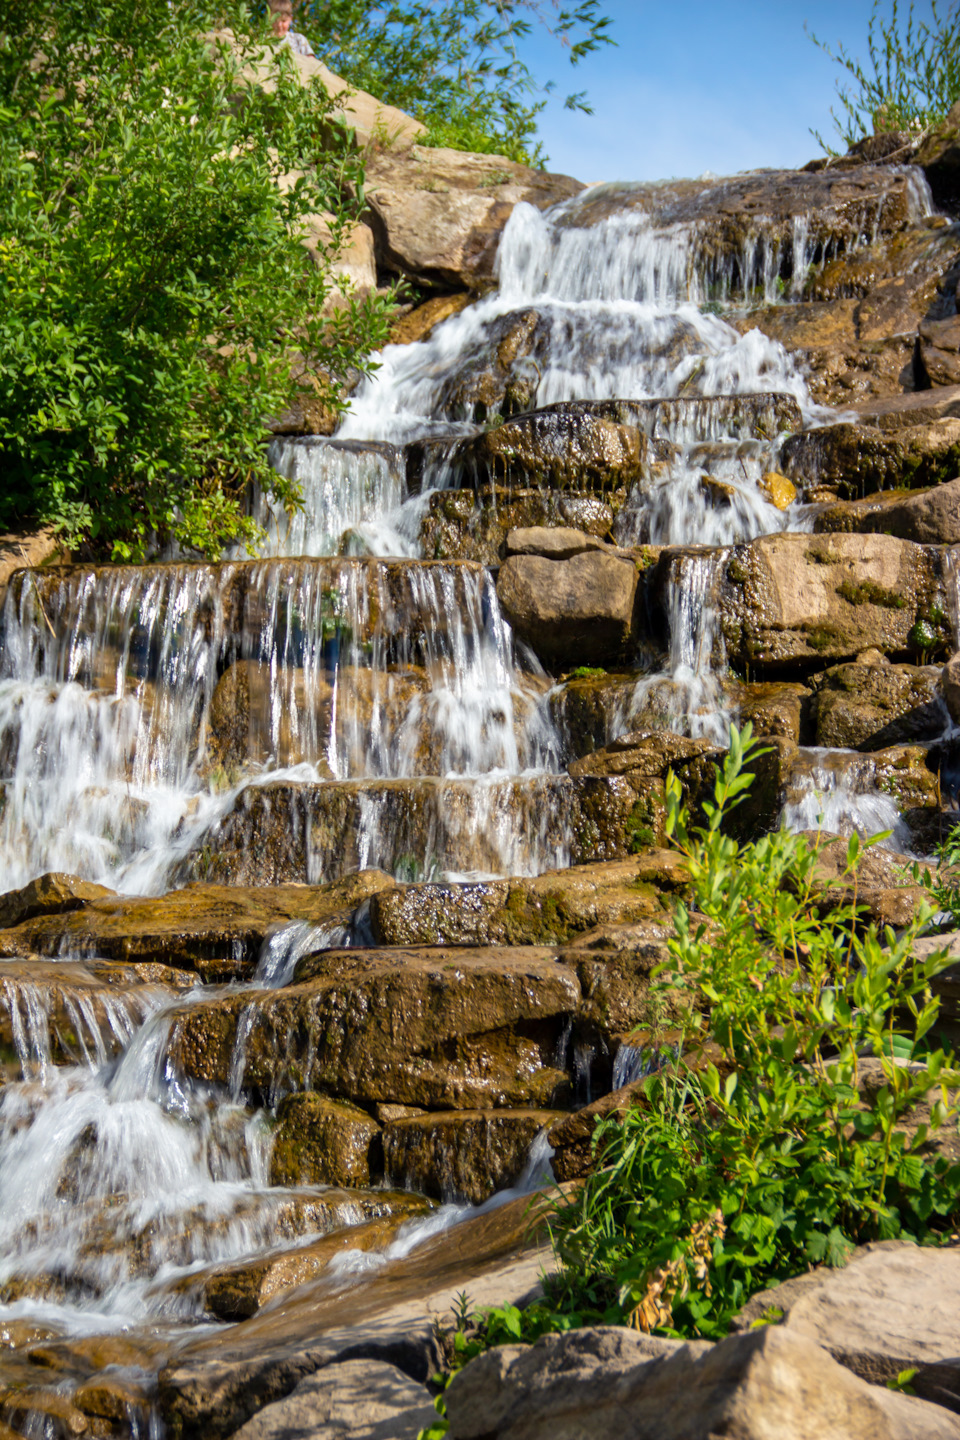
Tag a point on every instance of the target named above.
point(368, 698)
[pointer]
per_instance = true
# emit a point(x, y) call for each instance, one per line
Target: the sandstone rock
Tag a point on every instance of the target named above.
point(217, 931)
point(319, 1141)
point(950, 684)
point(462, 1155)
point(353, 1400)
point(572, 1137)
point(568, 447)
point(898, 412)
point(437, 214)
point(870, 707)
point(51, 894)
point(479, 1028)
point(592, 709)
point(473, 524)
point(419, 323)
point(892, 1307)
point(24, 551)
point(939, 158)
point(789, 600)
point(931, 517)
point(938, 351)
point(552, 543)
point(548, 909)
point(570, 611)
point(851, 461)
point(883, 883)
point(775, 709)
point(754, 1386)
point(217, 1382)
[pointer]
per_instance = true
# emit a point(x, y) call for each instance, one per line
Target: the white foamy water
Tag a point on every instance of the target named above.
point(837, 791)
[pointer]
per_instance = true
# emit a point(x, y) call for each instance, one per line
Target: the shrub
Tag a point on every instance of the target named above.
point(156, 301)
point(912, 79)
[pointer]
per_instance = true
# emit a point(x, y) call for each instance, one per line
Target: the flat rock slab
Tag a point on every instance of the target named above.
point(767, 1384)
point(893, 1307)
point(217, 1382)
point(358, 1400)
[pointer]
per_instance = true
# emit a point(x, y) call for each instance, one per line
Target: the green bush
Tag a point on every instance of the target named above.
point(911, 80)
point(454, 66)
point(156, 301)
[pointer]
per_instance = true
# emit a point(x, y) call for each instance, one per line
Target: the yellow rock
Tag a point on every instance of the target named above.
point(781, 491)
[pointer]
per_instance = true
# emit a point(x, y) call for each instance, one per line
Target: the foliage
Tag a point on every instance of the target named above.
point(944, 882)
point(911, 80)
point(156, 301)
point(767, 1137)
point(454, 64)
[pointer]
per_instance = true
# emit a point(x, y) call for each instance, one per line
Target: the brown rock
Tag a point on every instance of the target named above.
point(554, 543)
point(571, 611)
point(869, 706)
point(420, 322)
point(939, 158)
point(939, 347)
point(319, 1141)
point(25, 551)
point(462, 1155)
point(574, 446)
point(950, 684)
point(51, 894)
point(851, 461)
point(356, 1400)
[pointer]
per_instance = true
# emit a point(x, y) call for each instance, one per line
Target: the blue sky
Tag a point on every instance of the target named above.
point(698, 85)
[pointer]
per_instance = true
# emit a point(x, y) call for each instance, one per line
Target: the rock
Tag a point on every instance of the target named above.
point(570, 611)
point(319, 1141)
point(938, 351)
point(51, 894)
point(353, 1400)
point(899, 412)
point(218, 931)
point(850, 461)
point(572, 446)
point(462, 1155)
point(591, 709)
point(931, 517)
point(939, 158)
point(473, 524)
point(882, 884)
point(548, 909)
point(479, 1028)
point(419, 323)
point(950, 684)
point(217, 1382)
point(572, 1137)
point(768, 1382)
point(553, 543)
point(775, 709)
point(892, 1307)
point(438, 214)
point(778, 489)
point(870, 707)
point(946, 985)
point(25, 551)
point(791, 600)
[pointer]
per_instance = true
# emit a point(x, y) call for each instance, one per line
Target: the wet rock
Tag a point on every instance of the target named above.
point(218, 931)
point(550, 909)
point(892, 1307)
point(319, 1141)
point(950, 684)
point(939, 345)
point(930, 518)
point(565, 447)
point(419, 323)
point(573, 611)
point(600, 1382)
point(590, 709)
point(437, 214)
point(850, 461)
point(24, 551)
point(882, 884)
point(353, 1400)
point(111, 1400)
point(791, 600)
point(775, 709)
point(463, 1155)
point(473, 525)
point(51, 894)
point(571, 1138)
point(899, 412)
point(236, 1292)
point(445, 1029)
point(870, 707)
point(217, 1382)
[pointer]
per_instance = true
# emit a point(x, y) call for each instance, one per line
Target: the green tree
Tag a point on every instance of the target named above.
point(157, 303)
point(456, 66)
point(911, 79)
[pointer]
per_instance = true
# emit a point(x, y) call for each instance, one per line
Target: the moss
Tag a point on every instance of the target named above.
point(868, 592)
point(822, 637)
point(587, 672)
point(736, 573)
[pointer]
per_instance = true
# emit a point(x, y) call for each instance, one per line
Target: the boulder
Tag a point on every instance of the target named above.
point(567, 447)
point(900, 412)
point(575, 611)
point(792, 600)
point(442, 1029)
point(419, 323)
point(437, 214)
point(51, 894)
point(353, 1400)
point(849, 461)
point(775, 709)
point(463, 1156)
point(473, 524)
point(939, 157)
point(930, 517)
point(950, 684)
point(592, 707)
point(870, 707)
point(318, 1141)
point(939, 351)
point(553, 543)
point(894, 1306)
point(600, 1382)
